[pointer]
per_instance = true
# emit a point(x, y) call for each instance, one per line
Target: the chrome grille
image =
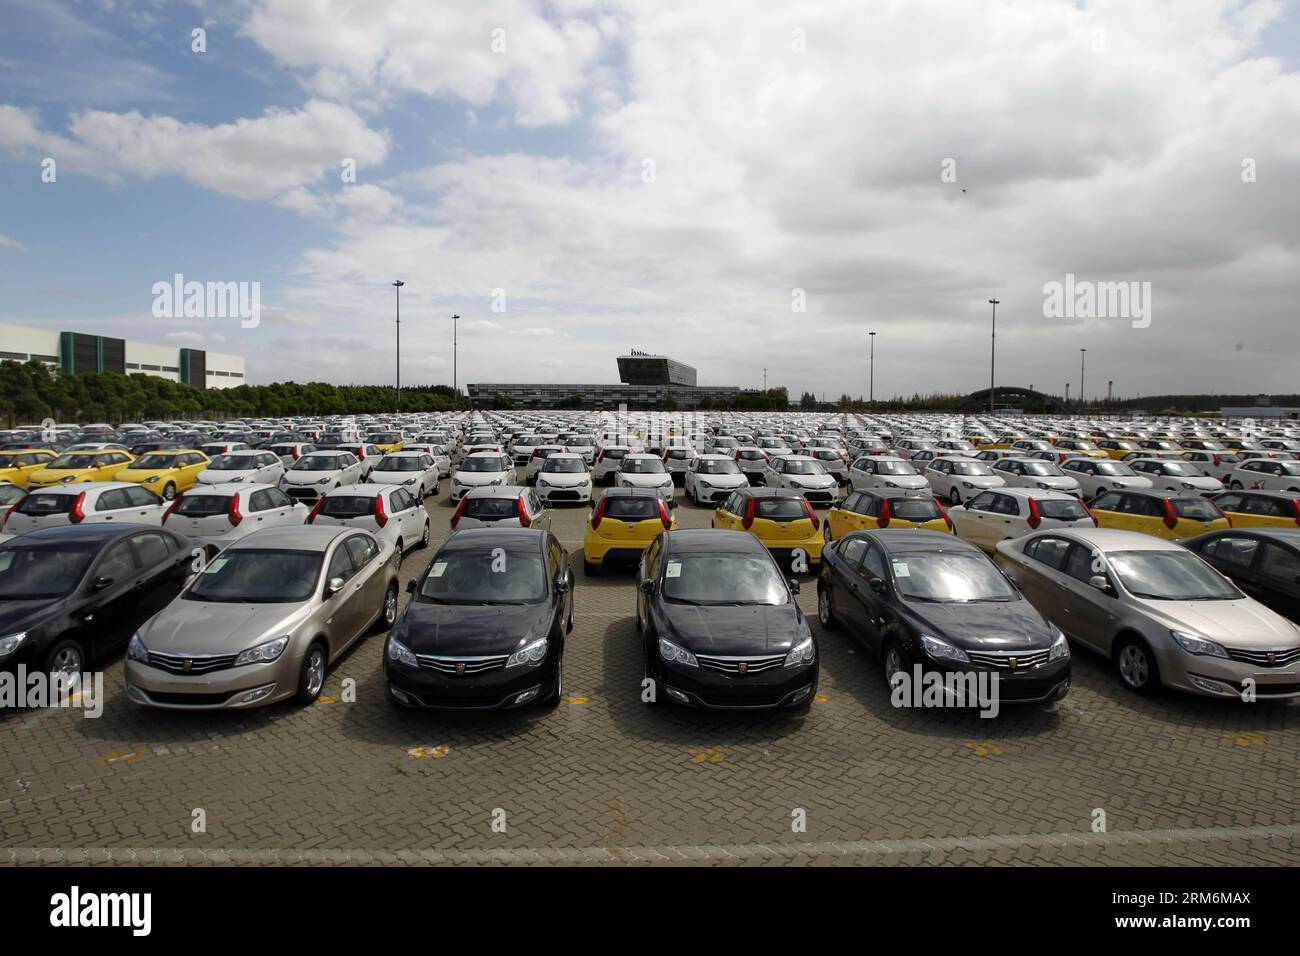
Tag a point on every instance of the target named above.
point(731, 665)
point(462, 665)
point(1281, 658)
point(175, 663)
point(1001, 660)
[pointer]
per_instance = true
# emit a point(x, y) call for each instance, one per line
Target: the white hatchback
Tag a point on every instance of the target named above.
point(121, 502)
point(389, 512)
point(312, 475)
point(644, 471)
point(254, 467)
point(563, 477)
point(219, 515)
point(482, 470)
point(1035, 473)
point(413, 470)
point(1175, 475)
point(884, 472)
point(1007, 513)
point(1266, 474)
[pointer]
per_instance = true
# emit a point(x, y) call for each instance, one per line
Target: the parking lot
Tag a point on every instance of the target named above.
point(1104, 777)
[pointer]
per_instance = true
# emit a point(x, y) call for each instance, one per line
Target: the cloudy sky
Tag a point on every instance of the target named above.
point(578, 178)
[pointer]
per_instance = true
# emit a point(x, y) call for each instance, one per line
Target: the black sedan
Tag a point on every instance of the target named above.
point(75, 594)
point(1264, 562)
point(485, 625)
point(916, 597)
point(719, 625)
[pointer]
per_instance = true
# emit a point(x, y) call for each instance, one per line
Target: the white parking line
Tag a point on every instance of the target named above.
point(863, 850)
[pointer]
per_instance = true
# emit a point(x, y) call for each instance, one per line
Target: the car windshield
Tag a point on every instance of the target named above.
point(347, 506)
point(970, 468)
point(32, 573)
point(568, 466)
point(723, 579)
point(1170, 576)
point(1062, 509)
point(1042, 469)
point(795, 467)
point(154, 462)
point(400, 464)
point(257, 576)
point(1197, 509)
point(232, 463)
point(884, 467)
point(484, 577)
point(714, 466)
point(1291, 467)
point(642, 466)
point(949, 577)
point(73, 461)
point(1181, 469)
point(193, 505)
point(490, 463)
point(11, 493)
point(1113, 469)
point(318, 463)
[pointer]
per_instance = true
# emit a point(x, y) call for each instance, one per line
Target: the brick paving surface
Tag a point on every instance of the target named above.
point(604, 779)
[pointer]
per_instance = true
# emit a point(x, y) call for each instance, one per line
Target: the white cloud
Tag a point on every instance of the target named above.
point(8, 243)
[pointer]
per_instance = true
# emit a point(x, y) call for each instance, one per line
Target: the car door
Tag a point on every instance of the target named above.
point(145, 506)
point(558, 565)
point(1090, 614)
point(366, 588)
point(343, 621)
point(538, 510)
point(728, 513)
point(165, 565)
point(1038, 576)
point(878, 615)
point(115, 587)
point(976, 521)
point(847, 584)
point(112, 505)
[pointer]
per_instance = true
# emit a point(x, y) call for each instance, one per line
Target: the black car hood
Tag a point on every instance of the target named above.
point(18, 616)
point(457, 630)
point(723, 630)
point(984, 625)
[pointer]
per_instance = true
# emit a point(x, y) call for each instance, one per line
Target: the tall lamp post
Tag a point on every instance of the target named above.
point(397, 284)
point(455, 381)
point(871, 387)
point(1082, 355)
point(993, 350)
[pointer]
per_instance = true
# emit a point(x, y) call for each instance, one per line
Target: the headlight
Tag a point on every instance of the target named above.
point(942, 650)
point(531, 654)
point(676, 655)
point(401, 654)
point(236, 478)
point(136, 651)
point(795, 484)
point(1060, 647)
point(1197, 645)
point(967, 484)
point(1044, 485)
point(409, 481)
point(9, 643)
point(68, 478)
point(263, 653)
point(1188, 485)
point(324, 481)
point(801, 653)
point(702, 483)
point(151, 480)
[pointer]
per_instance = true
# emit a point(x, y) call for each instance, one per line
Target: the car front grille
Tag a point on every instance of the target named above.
point(1282, 658)
point(462, 665)
point(193, 700)
point(1001, 660)
point(176, 663)
point(732, 665)
point(302, 493)
point(563, 495)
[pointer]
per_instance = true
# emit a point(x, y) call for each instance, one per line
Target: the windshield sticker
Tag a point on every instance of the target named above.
point(900, 570)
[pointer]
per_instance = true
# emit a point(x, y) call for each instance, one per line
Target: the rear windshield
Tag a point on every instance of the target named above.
point(318, 463)
point(232, 463)
point(491, 507)
point(629, 508)
point(780, 509)
point(400, 464)
point(1196, 509)
point(202, 506)
point(43, 503)
point(614, 452)
point(348, 506)
point(1061, 510)
point(914, 509)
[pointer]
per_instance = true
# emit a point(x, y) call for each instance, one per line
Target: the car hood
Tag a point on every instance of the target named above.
point(395, 477)
point(477, 479)
point(749, 629)
point(980, 481)
point(1245, 623)
point(221, 477)
point(985, 625)
point(202, 627)
point(309, 477)
point(646, 480)
point(911, 482)
point(1056, 482)
point(723, 481)
point(812, 481)
point(467, 629)
point(561, 479)
point(16, 616)
point(1121, 481)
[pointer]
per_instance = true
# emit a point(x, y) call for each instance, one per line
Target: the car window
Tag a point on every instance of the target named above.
point(1280, 566)
point(361, 549)
point(873, 563)
point(151, 549)
point(867, 505)
point(1049, 551)
point(116, 562)
point(1107, 502)
point(1229, 502)
point(341, 565)
point(984, 502)
point(140, 497)
point(112, 500)
point(259, 501)
point(851, 552)
point(1078, 563)
point(1235, 553)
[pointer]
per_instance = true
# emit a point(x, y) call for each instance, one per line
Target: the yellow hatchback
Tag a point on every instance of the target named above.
point(166, 473)
point(1260, 509)
point(17, 466)
point(1158, 513)
point(80, 466)
point(871, 510)
point(387, 442)
point(783, 520)
point(1117, 448)
point(622, 524)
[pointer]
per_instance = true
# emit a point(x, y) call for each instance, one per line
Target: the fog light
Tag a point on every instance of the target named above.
point(677, 695)
point(1209, 686)
point(801, 694)
point(526, 696)
point(256, 694)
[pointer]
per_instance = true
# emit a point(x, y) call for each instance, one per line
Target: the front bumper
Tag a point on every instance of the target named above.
point(714, 690)
point(428, 689)
point(1224, 677)
point(556, 494)
point(216, 690)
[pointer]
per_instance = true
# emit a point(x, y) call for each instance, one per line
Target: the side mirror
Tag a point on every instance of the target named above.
point(877, 585)
point(410, 586)
point(647, 586)
point(101, 582)
point(794, 585)
point(561, 583)
point(1100, 583)
point(334, 586)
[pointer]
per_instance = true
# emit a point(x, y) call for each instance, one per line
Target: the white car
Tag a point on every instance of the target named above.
point(753, 462)
point(312, 475)
point(644, 471)
point(882, 473)
point(775, 447)
point(255, 467)
point(956, 448)
point(563, 477)
point(676, 459)
point(367, 454)
point(833, 460)
point(538, 458)
point(608, 461)
point(216, 448)
point(389, 512)
point(805, 475)
point(710, 478)
point(521, 449)
point(413, 470)
point(480, 470)
point(1215, 464)
point(501, 506)
point(1175, 475)
point(1099, 475)
point(959, 479)
point(584, 445)
point(1035, 473)
point(291, 451)
point(1263, 474)
point(1005, 513)
point(121, 502)
point(10, 495)
point(219, 515)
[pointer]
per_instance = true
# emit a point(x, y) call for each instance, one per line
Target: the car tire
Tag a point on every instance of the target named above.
point(169, 491)
point(826, 532)
point(424, 538)
point(954, 497)
point(892, 661)
point(66, 657)
point(398, 555)
point(825, 609)
point(1136, 665)
point(388, 616)
point(553, 698)
point(311, 679)
point(590, 568)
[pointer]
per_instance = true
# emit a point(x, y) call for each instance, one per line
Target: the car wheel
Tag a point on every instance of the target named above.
point(397, 558)
point(312, 678)
point(424, 538)
point(954, 497)
point(553, 698)
point(169, 491)
point(389, 616)
point(825, 612)
point(1137, 666)
point(65, 658)
point(894, 662)
point(826, 532)
point(590, 568)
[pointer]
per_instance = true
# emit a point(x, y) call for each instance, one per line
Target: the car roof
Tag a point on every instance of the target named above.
point(915, 539)
point(632, 491)
point(1260, 493)
point(228, 487)
point(711, 539)
point(91, 532)
point(471, 538)
point(76, 488)
point(496, 491)
point(298, 537)
point(1114, 539)
point(771, 493)
point(1290, 535)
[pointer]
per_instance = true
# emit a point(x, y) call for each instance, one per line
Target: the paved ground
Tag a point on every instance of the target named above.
point(603, 778)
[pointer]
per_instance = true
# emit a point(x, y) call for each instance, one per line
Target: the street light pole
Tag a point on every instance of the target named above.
point(765, 381)
point(993, 350)
point(871, 388)
point(455, 381)
point(1082, 355)
point(397, 284)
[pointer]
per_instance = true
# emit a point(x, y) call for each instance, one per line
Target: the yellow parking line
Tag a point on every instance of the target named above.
point(122, 756)
point(1246, 738)
point(575, 700)
point(983, 748)
point(432, 753)
point(707, 755)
